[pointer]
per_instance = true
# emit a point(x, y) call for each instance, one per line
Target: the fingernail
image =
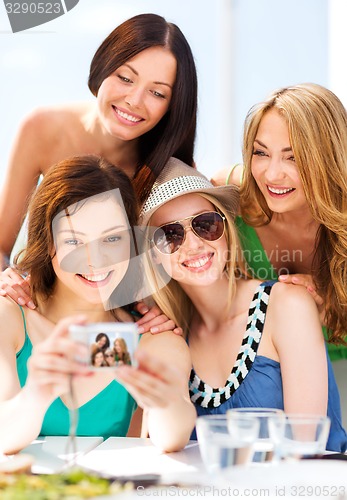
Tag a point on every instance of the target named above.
point(154, 329)
point(283, 277)
point(31, 305)
point(21, 301)
point(295, 280)
point(144, 309)
point(140, 329)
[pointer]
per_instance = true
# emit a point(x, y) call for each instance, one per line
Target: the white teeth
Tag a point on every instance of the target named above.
point(197, 263)
point(95, 277)
point(279, 191)
point(127, 117)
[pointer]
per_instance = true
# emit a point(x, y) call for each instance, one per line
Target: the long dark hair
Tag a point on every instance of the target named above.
point(99, 337)
point(174, 135)
point(66, 183)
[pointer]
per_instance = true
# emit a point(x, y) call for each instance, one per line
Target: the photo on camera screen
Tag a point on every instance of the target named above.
point(109, 344)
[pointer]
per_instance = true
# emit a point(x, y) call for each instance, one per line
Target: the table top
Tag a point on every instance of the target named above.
point(52, 453)
point(135, 456)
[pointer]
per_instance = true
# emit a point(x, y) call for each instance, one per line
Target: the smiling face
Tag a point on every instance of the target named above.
point(102, 341)
point(99, 359)
point(274, 168)
point(118, 347)
point(137, 95)
point(92, 248)
point(110, 357)
point(197, 262)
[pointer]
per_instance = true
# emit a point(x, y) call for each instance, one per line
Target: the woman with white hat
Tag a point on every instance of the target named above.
point(239, 360)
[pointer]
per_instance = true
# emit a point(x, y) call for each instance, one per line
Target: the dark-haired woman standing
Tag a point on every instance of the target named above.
point(144, 79)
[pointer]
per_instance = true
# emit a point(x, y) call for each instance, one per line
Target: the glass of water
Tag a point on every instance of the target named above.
point(300, 436)
point(264, 445)
point(226, 442)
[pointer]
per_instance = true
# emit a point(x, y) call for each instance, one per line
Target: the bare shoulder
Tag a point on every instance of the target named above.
point(292, 312)
point(288, 295)
point(228, 175)
point(166, 344)
point(167, 338)
point(8, 307)
point(48, 119)
point(50, 134)
point(11, 321)
point(247, 288)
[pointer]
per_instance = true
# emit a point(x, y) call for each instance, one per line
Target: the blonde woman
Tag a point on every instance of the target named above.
point(110, 357)
point(238, 358)
point(294, 198)
point(120, 349)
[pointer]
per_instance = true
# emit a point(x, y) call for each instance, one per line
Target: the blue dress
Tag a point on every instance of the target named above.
point(256, 381)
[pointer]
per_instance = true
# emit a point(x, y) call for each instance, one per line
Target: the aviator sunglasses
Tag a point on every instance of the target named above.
point(208, 226)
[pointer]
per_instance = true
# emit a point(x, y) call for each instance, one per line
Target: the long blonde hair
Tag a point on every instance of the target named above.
point(171, 298)
point(125, 356)
point(317, 123)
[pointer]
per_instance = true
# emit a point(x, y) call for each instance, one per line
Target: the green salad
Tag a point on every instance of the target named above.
point(71, 485)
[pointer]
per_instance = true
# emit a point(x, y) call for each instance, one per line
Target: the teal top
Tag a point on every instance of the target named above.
point(261, 268)
point(107, 414)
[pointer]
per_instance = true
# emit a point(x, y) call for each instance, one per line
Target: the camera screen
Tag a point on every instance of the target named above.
point(109, 344)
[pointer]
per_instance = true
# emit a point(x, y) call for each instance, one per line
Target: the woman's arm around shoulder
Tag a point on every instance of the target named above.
point(295, 329)
point(228, 175)
point(160, 386)
point(12, 285)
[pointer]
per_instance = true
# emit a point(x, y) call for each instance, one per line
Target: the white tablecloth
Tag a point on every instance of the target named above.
point(52, 455)
point(184, 473)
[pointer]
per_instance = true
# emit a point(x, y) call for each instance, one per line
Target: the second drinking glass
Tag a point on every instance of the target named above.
point(264, 444)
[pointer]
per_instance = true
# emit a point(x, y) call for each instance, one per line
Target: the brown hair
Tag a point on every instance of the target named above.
point(65, 184)
point(174, 135)
point(94, 354)
point(317, 123)
point(99, 337)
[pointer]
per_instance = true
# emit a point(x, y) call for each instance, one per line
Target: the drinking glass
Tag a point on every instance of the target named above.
point(225, 442)
point(300, 436)
point(264, 445)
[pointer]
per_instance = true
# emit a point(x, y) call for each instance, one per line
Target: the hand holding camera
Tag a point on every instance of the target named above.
point(50, 368)
point(107, 345)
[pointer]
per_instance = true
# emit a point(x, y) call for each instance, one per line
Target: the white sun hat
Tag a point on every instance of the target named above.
point(177, 179)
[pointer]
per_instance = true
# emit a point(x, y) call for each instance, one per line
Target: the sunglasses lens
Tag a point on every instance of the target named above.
point(169, 238)
point(208, 226)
